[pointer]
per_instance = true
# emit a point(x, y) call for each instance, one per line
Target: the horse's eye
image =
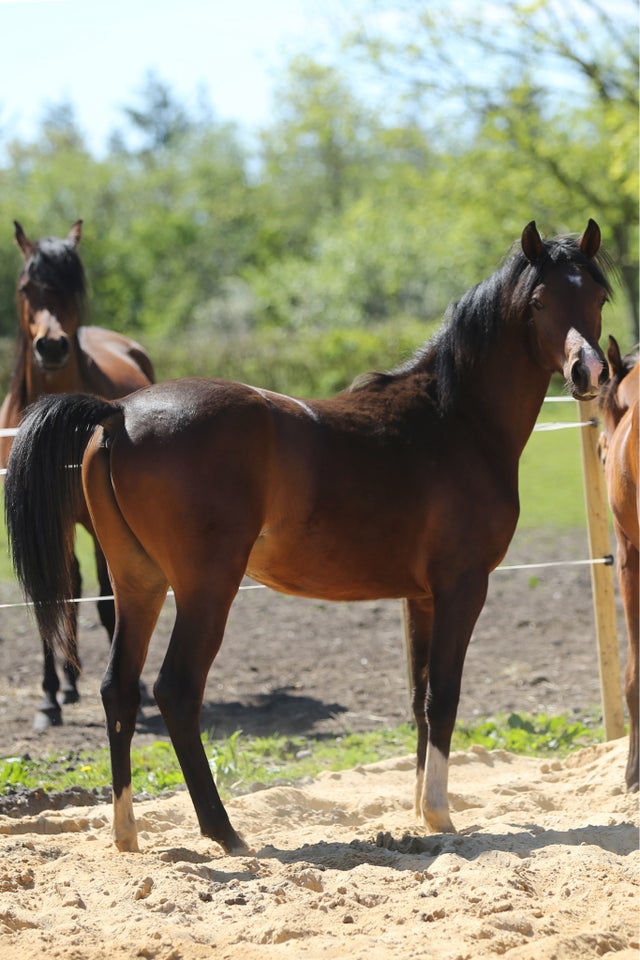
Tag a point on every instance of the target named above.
point(535, 303)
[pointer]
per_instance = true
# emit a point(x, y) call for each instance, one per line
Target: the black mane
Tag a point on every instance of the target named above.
point(472, 323)
point(55, 266)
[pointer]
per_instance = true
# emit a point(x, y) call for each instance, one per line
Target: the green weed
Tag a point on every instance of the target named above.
point(240, 763)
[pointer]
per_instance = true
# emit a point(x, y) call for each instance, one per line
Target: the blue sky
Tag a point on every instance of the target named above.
point(95, 53)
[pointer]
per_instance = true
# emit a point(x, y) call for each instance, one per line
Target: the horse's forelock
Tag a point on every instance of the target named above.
point(55, 265)
point(567, 249)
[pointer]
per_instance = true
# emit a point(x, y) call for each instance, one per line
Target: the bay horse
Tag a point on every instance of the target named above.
point(619, 450)
point(403, 486)
point(57, 353)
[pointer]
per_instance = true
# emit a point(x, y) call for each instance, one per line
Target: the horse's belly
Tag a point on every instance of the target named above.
point(305, 569)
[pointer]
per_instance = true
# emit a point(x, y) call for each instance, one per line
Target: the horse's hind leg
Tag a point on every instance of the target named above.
point(418, 616)
point(107, 611)
point(138, 606)
point(140, 589)
point(195, 641)
point(106, 606)
point(628, 573)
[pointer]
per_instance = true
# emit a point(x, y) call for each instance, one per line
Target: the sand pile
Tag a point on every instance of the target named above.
point(545, 867)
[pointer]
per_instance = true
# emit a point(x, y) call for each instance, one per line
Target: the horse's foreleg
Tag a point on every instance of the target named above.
point(455, 615)
point(628, 569)
point(49, 712)
point(71, 666)
point(418, 616)
point(179, 690)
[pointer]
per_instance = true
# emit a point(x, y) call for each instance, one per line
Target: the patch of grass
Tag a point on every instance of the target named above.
point(551, 485)
point(239, 763)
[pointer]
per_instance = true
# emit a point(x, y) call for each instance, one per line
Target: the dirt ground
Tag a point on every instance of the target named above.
point(545, 866)
point(304, 667)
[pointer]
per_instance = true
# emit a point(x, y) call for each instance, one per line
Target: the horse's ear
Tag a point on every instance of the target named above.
point(614, 357)
point(75, 234)
point(23, 241)
point(532, 245)
point(590, 239)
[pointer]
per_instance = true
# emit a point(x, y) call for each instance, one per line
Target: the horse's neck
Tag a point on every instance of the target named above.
point(504, 392)
point(67, 380)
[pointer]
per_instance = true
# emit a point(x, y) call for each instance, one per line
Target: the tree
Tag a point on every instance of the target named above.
point(159, 121)
point(553, 88)
point(318, 153)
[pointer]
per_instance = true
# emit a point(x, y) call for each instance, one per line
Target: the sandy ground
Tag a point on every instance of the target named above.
point(545, 867)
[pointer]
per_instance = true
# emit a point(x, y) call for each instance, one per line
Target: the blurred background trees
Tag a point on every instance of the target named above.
point(392, 176)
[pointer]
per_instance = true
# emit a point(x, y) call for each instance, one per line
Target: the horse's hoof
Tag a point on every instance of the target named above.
point(46, 718)
point(439, 821)
point(238, 848)
point(127, 845)
point(70, 695)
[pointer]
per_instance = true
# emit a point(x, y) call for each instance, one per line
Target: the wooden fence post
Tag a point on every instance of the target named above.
point(602, 576)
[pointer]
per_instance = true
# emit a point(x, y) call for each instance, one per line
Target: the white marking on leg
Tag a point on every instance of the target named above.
point(419, 792)
point(125, 833)
point(435, 806)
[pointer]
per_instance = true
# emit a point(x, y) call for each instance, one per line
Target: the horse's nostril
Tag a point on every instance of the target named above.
point(580, 376)
point(52, 351)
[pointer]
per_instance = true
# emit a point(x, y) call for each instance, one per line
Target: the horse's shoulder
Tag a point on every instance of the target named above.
point(91, 337)
point(115, 356)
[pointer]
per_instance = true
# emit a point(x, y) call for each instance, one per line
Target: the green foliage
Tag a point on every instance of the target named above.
point(540, 735)
point(239, 763)
point(551, 482)
point(379, 192)
point(309, 362)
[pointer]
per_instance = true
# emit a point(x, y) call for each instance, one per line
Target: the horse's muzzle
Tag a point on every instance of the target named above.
point(583, 384)
point(586, 372)
point(51, 352)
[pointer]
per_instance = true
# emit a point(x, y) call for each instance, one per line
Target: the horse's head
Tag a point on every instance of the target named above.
point(51, 290)
point(565, 301)
point(620, 392)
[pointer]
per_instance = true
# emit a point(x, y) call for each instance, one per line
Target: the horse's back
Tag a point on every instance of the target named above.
point(117, 364)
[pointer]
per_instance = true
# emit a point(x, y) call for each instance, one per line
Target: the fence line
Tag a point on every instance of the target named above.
point(600, 561)
point(607, 561)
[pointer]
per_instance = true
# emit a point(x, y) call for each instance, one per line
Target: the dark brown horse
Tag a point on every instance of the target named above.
point(619, 448)
point(404, 486)
point(56, 353)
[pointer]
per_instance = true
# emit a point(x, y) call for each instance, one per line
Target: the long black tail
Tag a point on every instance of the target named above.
point(43, 491)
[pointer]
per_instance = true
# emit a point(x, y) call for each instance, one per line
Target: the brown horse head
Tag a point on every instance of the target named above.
point(51, 291)
point(565, 304)
point(620, 392)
